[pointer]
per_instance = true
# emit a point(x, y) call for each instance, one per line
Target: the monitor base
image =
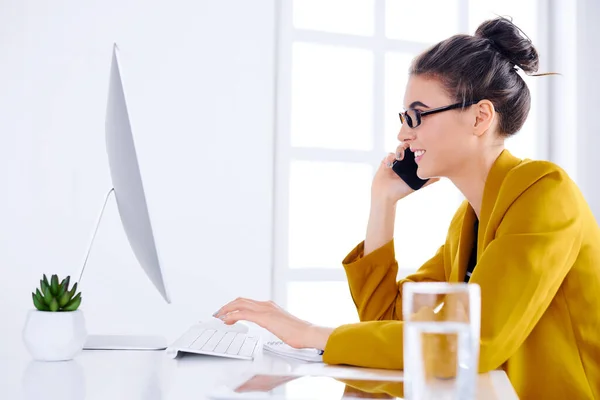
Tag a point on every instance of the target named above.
point(125, 342)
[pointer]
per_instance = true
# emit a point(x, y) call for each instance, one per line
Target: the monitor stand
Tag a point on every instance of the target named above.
point(118, 342)
point(124, 342)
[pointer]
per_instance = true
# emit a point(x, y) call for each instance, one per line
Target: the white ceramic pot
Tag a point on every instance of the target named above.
point(54, 336)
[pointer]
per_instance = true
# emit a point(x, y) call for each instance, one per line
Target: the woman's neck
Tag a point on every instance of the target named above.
point(471, 180)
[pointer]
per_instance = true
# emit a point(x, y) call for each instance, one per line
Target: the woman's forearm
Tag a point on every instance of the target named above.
point(380, 229)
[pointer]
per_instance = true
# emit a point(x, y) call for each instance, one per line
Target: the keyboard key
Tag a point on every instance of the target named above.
point(214, 341)
point(225, 342)
point(237, 343)
point(248, 347)
point(201, 341)
point(188, 338)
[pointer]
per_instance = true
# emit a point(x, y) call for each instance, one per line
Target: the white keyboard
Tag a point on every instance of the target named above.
point(216, 339)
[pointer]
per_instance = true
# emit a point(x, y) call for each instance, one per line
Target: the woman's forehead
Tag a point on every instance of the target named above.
point(427, 90)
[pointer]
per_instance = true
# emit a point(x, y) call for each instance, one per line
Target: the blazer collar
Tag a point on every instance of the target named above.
point(500, 168)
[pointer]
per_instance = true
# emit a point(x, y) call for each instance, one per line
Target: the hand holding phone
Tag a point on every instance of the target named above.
point(407, 170)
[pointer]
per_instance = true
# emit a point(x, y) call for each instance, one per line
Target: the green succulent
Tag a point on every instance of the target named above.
point(54, 296)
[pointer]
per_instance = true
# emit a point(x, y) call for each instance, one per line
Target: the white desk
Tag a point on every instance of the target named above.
point(154, 376)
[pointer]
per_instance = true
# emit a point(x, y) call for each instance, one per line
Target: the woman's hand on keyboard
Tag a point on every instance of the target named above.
point(292, 330)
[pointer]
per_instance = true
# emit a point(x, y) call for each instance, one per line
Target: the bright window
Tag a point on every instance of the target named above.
point(342, 74)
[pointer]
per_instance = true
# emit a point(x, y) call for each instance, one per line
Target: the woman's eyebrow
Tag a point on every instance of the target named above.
point(417, 103)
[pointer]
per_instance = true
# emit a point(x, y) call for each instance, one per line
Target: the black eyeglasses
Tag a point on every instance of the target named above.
point(412, 117)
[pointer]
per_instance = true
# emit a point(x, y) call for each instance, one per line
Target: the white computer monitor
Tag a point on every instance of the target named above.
point(132, 206)
point(127, 180)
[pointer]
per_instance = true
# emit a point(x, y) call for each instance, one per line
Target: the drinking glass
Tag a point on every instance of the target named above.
point(441, 339)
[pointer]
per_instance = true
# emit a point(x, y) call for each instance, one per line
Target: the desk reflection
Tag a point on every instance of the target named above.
point(64, 380)
point(373, 389)
point(296, 387)
point(96, 375)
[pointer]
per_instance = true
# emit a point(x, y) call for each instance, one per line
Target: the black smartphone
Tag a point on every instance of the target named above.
point(407, 170)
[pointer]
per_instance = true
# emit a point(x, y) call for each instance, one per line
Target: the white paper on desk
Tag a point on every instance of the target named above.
point(282, 349)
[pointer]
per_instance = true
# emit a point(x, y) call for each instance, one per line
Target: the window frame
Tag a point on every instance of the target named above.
point(284, 153)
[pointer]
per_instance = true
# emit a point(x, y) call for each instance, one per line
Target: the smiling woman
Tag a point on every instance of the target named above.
point(524, 233)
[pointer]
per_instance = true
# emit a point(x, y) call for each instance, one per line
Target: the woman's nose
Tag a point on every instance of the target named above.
point(406, 134)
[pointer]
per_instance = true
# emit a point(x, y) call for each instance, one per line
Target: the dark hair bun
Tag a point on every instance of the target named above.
point(508, 40)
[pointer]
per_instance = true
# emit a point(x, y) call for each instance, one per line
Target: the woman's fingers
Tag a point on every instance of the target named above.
point(388, 161)
point(402, 147)
point(258, 318)
point(238, 304)
point(397, 156)
point(234, 316)
point(270, 316)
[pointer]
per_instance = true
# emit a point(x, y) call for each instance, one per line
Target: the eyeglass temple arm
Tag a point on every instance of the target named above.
point(450, 107)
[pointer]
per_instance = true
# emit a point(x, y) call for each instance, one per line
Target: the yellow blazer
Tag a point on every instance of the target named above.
point(538, 265)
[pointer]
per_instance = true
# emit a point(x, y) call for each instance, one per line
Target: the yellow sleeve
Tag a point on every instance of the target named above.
point(372, 344)
point(372, 280)
point(377, 342)
point(521, 270)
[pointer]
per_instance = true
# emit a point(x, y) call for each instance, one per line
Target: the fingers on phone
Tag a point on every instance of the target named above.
point(400, 150)
point(389, 160)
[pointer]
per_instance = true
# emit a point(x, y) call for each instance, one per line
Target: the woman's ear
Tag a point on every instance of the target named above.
point(484, 116)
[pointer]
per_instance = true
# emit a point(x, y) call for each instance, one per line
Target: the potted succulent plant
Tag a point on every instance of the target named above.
point(55, 329)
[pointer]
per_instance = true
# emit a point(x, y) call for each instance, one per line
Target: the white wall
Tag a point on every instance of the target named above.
point(199, 78)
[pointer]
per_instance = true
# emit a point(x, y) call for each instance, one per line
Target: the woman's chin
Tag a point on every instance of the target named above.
point(425, 171)
point(422, 173)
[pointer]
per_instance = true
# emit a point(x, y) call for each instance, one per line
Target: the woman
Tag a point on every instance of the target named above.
point(524, 233)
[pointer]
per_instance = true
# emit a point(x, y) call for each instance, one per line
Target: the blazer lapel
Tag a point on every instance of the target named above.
point(501, 167)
